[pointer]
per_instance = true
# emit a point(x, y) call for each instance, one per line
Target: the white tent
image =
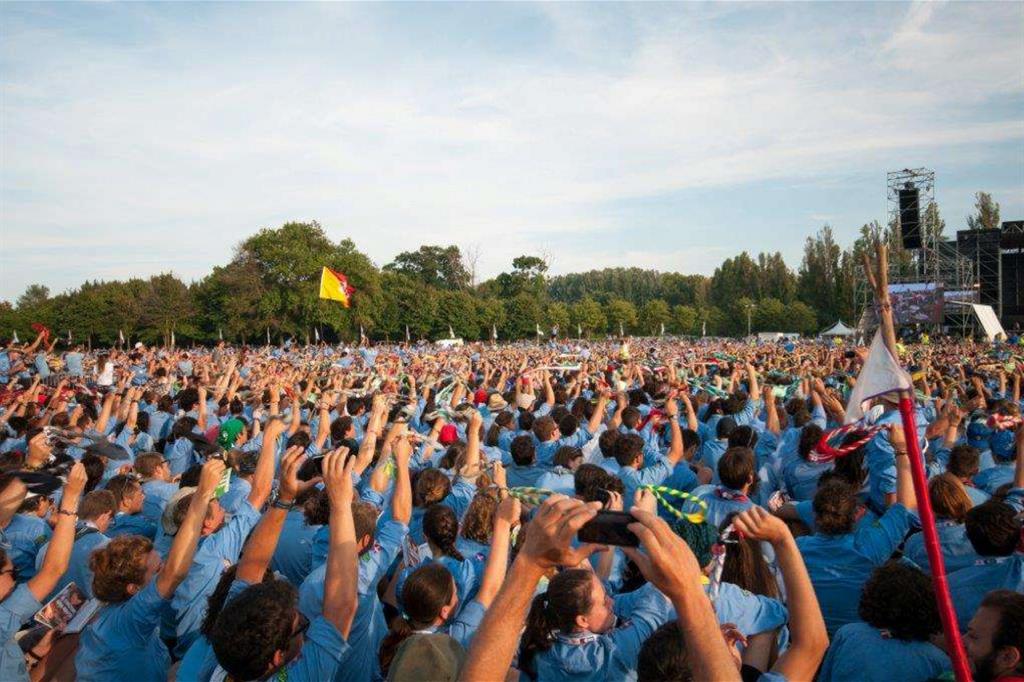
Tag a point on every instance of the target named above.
point(839, 329)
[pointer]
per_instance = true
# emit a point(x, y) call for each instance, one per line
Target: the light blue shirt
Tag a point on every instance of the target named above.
point(16, 610)
point(369, 626)
point(293, 557)
point(22, 538)
point(612, 656)
point(968, 586)
point(157, 495)
point(78, 566)
point(216, 553)
point(839, 565)
point(957, 551)
point(122, 639)
point(860, 653)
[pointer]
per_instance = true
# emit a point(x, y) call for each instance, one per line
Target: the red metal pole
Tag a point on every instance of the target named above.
point(961, 667)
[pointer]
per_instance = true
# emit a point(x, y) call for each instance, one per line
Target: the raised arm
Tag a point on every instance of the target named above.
point(263, 477)
point(669, 565)
point(904, 481)
point(342, 575)
point(809, 638)
point(58, 554)
point(599, 413)
point(506, 518)
point(472, 467)
point(675, 449)
point(179, 559)
point(401, 496)
point(259, 549)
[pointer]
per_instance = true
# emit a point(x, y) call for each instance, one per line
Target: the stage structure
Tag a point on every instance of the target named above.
point(927, 267)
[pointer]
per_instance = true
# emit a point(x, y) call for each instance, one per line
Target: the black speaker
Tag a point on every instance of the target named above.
point(910, 218)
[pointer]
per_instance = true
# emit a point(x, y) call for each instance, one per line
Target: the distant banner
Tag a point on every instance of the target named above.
point(919, 303)
point(961, 296)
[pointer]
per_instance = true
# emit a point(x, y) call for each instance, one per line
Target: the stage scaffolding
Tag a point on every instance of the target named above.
point(937, 261)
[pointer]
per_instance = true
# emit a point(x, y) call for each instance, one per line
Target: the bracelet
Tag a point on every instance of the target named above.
point(65, 512)
point(901, 453)
point(282, 504)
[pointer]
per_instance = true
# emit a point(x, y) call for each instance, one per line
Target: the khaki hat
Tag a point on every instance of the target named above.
point(495, 403)
point(432, 657)
point(167, 518)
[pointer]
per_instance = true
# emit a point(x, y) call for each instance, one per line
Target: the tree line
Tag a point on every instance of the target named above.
point(270, 288)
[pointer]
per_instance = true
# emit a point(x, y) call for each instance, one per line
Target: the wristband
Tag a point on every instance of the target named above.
point(282, 504)
point(65, 512)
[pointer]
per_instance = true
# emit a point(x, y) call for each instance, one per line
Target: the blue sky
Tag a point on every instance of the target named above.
point(139, 138)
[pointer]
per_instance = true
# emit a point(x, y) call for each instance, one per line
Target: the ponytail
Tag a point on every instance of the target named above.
point(568, 596)
point(426, 592)
point(442, 527)
point(401, 629)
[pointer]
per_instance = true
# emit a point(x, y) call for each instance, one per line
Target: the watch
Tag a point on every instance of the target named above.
point(282, 504)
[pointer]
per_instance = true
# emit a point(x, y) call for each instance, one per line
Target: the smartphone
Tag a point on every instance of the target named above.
point(609, 528)
point(223, 485)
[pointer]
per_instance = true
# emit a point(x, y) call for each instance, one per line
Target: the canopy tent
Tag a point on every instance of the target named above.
point(839, 329)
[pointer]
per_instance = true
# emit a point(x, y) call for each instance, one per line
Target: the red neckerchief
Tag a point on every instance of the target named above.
point(726, 494)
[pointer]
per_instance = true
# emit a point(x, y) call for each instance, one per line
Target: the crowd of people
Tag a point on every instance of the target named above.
point(407, 512)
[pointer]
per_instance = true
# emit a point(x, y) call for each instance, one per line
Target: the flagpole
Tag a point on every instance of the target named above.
point(961, 666)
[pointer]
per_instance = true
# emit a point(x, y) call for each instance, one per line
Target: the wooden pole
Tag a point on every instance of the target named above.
point(961, 666)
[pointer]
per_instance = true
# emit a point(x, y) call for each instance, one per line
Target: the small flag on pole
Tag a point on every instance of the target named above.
point(704, 328)
point(880, 375)
point(334, 286)
point(451, 334)
point(268, 336)
point(539, 332)
point(663, 329)
point(15, 338)
point(494, 331)
point(120, 336)
point(579, 331)
point(316, 334)
point(621, 331)
point(362, 334)
point(408, 337)
point(220, 334)
point(554, 330)
point(69, 336)
point(172, 339)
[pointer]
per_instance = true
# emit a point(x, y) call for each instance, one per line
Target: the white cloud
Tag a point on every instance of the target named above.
point(196, 133)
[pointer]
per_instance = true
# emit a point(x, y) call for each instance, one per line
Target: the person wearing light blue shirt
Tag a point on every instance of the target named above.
point(73, 362)
point(95, 515)
point(135, 590)
point(994, 531)
point(22, 538)
point(900, 616)
point(591, 646)
point(840, 556)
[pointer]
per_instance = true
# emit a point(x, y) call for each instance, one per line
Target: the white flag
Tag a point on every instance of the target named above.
point(268, 336)
point(539, 332)
point(407, 336)
point(704, 328)
point(451, 332)
point(362, 334)
point(172, 339)
point(621, 332)
point(15, 338)
point(220, 334)
point(662, 328)
point(316, 334)
point(494, 331)
point(69, 336)
point(120, 335)
point(579, 330)
point(880, 375)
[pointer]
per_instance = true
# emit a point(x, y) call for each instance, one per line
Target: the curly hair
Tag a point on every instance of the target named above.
point(993, 528)
point(122, 562)
point(252, 627)
point(835, 507)
point(899, 598)
point(478, 520)
point(431, 487)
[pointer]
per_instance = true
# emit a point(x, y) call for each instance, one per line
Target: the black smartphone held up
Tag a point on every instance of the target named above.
point(609, 528)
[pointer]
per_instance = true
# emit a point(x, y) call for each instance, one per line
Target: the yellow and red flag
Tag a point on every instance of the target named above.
point(334, 286)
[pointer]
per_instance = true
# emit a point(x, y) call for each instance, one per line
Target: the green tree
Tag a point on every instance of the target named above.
point(588, 315)
point(557, 315)
point(35, 296)
point(820, 272)
point(167, 307)
point(523, 313)
point(986, 213)
point(684, 320)
point(458, 310)
point(770, 316)
point(800, 318)
point(437, 266)
point(621, 314)
point(652, 315)
point(491, 313)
